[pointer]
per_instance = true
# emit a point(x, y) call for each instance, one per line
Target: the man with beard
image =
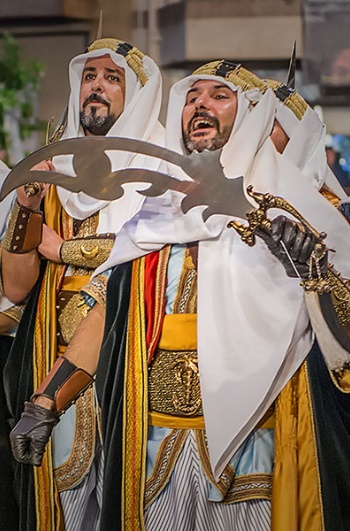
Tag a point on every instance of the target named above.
point(201, 364)
point(183, 453)
point(115, 91)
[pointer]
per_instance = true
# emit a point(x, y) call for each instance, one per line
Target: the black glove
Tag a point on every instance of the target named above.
point(31, 434)
point(299, 242)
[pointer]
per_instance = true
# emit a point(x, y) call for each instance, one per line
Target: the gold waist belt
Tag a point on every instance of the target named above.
point(173, 380)
point(173, 377)
point(173, 383)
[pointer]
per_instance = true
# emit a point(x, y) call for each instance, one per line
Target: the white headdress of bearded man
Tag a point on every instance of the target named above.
point(139, 120)
point(253, 327)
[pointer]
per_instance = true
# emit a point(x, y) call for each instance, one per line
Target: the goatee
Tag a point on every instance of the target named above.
point(97, 124)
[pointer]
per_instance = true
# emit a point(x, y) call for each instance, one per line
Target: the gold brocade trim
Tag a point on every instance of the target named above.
point(97, 288)
point(86, 229)
point(340, 291)
point(174, 422)
point(167, 455)
point(186, 295)
point(48, 511)
point(44, 356)
point(86, 253)
point(173, 383)
point(135, 418)
point(15, 312)
point(234, 488)
point(250, 487)
point(78, 464)
point(47, 506)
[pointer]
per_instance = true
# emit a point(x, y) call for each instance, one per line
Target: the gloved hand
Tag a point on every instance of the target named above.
point(32, 432)
point(299, 242)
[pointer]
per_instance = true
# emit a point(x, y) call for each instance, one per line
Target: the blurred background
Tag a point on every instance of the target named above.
point(180, 35)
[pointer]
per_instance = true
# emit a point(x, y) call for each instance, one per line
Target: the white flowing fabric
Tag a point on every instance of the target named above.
point(253, 326)
point(5, 209)
point(306, 147)
point(139, 120)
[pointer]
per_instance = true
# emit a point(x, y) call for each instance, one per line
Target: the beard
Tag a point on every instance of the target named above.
point(201, 143)
point(97, 124)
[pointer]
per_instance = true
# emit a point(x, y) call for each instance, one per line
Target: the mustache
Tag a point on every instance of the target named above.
point(206, 116)
point(94, 97)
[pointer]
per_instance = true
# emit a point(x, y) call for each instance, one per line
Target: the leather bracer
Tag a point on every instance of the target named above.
point(64, 384)
point(24, 230)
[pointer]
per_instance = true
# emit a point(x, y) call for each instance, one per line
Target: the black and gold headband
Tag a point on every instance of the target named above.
point(288, 96)
point(235, 73)
point(132, 55)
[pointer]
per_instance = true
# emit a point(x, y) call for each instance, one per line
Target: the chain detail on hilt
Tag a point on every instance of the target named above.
point(258, 220)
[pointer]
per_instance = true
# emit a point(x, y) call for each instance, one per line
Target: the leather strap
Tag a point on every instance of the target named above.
point(64, 384)
point(24, 230)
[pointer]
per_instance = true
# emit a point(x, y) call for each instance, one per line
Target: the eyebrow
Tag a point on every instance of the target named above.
point(119, 71)
point(216, 87)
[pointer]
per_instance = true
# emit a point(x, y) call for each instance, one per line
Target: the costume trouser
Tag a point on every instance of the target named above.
point(82, 504)
point(183, 504)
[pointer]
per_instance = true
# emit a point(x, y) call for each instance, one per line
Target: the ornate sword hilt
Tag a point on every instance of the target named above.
point(257, 219)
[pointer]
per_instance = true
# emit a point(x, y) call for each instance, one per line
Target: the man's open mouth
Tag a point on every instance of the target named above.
point(200, 124)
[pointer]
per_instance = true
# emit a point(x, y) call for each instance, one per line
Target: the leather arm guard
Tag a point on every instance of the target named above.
point(24, 230)
point(64, 384)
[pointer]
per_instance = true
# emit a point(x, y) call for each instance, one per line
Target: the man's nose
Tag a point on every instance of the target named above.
point(97, 85)
point(202, 101)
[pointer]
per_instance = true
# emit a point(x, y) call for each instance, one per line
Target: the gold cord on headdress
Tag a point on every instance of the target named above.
point(245, 79)
point(132, 55)
point(236, 74)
